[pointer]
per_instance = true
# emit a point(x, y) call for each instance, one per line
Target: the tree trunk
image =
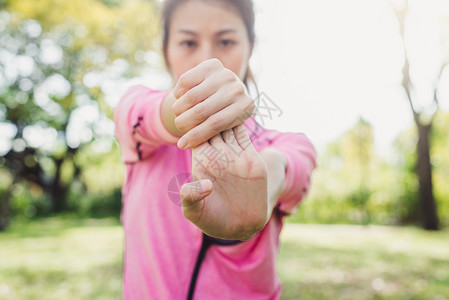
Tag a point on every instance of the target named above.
point(58, 192)
point(428, 211)
point(5, 211)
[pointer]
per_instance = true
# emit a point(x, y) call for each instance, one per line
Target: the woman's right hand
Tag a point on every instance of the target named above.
point(229, 198)
point(209, 99)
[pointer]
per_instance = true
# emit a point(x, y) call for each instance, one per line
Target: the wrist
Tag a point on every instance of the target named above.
point(168, 116)
point(276, 164)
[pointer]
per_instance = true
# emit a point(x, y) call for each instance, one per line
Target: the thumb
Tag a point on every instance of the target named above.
point(193, 192)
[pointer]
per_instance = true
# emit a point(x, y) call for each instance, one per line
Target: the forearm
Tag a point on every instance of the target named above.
point(276, 164)
point(168, 117)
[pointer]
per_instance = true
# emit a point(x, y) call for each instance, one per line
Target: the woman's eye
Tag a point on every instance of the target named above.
point(227, 43)
point(188, 43)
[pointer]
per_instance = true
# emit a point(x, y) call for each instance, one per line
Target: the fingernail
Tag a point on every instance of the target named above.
point(182, 143)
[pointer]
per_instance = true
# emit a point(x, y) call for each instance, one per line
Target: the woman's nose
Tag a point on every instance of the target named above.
point(206, 52)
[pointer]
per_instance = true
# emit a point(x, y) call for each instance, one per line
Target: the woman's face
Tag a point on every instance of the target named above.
point(201, 30)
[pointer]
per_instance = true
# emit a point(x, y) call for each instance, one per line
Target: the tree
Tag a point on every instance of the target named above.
point(423, 119)
point(52, 54)
point(356, 150)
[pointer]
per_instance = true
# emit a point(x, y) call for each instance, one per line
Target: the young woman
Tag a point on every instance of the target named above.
point(217, 236)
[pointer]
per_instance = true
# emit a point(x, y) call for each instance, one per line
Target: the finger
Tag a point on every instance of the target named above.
point(193, 192)
point(228, 136)
point(202, 111)
point(195, 76)
point(216, 140)
point(229, 139)
point(243, 139)
point(197, 94)
point(204, 131)
point(214, 151)
point(203, 157)
point(224, 119)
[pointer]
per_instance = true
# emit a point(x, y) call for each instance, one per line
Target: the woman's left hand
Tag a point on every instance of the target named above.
point(210, 100)
point(230, 198)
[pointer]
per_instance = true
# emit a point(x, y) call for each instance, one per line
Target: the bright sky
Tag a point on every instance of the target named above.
point(326, 63)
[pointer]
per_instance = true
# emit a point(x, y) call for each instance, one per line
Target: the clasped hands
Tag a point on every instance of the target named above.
point(228, 198)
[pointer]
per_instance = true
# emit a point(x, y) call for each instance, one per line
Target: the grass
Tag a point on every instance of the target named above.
point(363, 262)
point(58, 258)
point(61, 259)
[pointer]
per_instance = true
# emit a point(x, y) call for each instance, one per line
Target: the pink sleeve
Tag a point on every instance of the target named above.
point(301, 161)
point(138, 123)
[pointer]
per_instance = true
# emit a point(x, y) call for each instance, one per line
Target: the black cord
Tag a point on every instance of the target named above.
point(205, 244)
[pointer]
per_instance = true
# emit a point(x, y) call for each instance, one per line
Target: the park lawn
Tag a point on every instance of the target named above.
point(363, 262)
point(58, 258)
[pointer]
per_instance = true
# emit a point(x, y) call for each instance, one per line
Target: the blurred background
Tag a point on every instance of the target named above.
point(367, 81)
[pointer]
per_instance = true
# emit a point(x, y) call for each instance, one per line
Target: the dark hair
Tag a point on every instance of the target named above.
point(244, 7)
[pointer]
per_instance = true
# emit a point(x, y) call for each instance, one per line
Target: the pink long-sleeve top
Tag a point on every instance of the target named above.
point(161, 245)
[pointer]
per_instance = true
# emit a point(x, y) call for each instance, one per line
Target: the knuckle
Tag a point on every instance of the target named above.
point(228, 75)
point(214, 63)
point(249, 108)
point(216, 124)
point(183, 82)
point(180, 124)
point(176, 91)
point(238, 88)
point(187, 98)
point(192, 95)
point(176, 109)
point(201, 112)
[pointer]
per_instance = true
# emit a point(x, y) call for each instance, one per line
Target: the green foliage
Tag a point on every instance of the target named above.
point(83, 174)
point(353, 185)
point(440, 164)
point(405, 162)
point(28, 201)
point(97, 205)
point(50, 51)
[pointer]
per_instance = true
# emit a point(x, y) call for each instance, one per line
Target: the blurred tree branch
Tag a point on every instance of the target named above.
point(49, 52)
point(428, 208)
